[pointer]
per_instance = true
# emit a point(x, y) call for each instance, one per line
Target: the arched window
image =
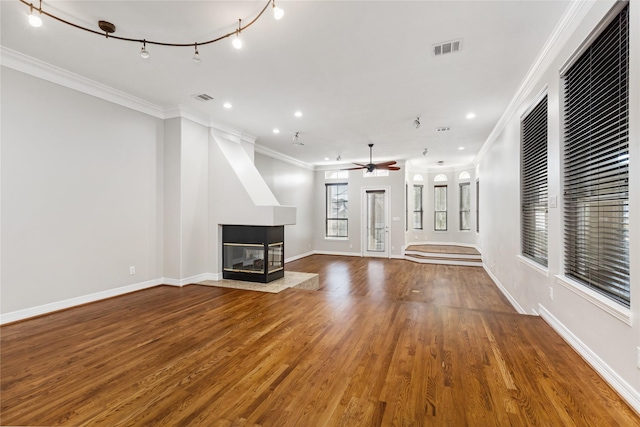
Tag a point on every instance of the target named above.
point(464, 175)
point(440, 178)
point(418, 177)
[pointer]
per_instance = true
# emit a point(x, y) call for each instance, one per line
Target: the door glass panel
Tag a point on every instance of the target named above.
point(376, 221)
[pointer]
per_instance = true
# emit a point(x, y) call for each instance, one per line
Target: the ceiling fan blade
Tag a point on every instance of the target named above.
point(392, 162)
point(360, 164)
point(352, 169)
point(390, 168)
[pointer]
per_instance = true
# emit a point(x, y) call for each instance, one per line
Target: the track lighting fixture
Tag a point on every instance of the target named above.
point(107, 29)
point(416, 122)
point(278, 13)
point(425, 152)
point(237, 41)
point(296, 141)
point(143, 52)
point(35, 20)
point(338, 158)
point(196, 56)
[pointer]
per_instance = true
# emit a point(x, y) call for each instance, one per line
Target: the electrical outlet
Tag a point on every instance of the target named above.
point(550, 293)
point(415, 237)
point(638, 357)
point(132, 269)
point(515, 285)
point(393, 248)
point(350, 246)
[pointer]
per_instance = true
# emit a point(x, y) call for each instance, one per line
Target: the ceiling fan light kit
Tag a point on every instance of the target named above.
point(370, 167)
point(107, 29)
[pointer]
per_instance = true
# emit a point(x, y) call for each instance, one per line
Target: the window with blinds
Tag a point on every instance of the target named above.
point(337, 214)
point(534, 194)
point(417, 207)
point(596, 163)
point(440, 205)
point(465, 206)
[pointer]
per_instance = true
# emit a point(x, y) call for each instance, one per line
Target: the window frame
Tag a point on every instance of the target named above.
point(534, 186)
point(596, 162)
point(331, 218)
point(420, 211)
point(468, 209)
point(435, 211)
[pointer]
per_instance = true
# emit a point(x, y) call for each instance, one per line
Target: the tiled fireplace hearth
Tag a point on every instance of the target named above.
point(253, 253)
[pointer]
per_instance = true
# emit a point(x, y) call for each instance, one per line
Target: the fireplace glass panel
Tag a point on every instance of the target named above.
point(244, 258)
point(276, 251)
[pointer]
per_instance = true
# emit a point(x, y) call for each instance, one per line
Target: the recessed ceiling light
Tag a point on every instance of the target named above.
point(298, 114)
point(227, 105)
point(326, 159)
point(471, 115)
point(460, 148)
point(276, 130)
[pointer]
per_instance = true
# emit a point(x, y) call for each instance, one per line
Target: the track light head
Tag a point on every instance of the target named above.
point(196, 55)
point(416, 122)
point(143, 52)
point(425, 152)
point(278, 13)
point(237, 41)
point(34, 20)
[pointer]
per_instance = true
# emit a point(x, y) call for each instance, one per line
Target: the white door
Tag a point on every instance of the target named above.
point(375, 222)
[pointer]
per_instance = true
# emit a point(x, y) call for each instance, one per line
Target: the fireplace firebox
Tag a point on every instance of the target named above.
point(252, 253)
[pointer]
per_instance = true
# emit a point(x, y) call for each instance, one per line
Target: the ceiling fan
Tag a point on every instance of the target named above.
point(373, 166)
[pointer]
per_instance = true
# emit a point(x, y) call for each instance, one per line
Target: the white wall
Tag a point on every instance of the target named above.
point(356, 181)
point(80, 194)
point(292, 186)
point(607, 342)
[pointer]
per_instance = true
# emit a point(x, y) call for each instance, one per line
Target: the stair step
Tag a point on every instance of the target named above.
point(442, 260)
point(476, 257)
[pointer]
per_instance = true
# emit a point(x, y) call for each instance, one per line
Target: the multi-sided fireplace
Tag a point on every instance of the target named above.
point(252, 253)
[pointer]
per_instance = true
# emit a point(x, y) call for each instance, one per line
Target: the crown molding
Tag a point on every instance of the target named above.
point(575, 13)
point(40, 69)
point(279, 156)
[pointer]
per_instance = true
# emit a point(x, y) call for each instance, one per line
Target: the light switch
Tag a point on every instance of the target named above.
point(553, 201)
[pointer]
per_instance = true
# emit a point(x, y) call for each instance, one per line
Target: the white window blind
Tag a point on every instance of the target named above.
point(533, 182)
point(596, 163)
point(440, 205)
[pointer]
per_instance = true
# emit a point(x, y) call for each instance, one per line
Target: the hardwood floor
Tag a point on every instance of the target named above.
point(364, 350)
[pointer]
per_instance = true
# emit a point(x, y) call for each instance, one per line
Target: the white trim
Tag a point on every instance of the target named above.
point(297, 257)
point(444, 255)
point(533, 265)
point(40, 69)
point(559, 37)
point(72, 302)
point(444, 261)
point(624, 389)
point(336, 239)
point(337, 253)
point(279, 156)
point(605, 304)
point(506, 293)
point(396, 257)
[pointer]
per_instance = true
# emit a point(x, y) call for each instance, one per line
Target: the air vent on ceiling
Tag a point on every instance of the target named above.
point(443, 129)
point(447, 47)
point(203, 97)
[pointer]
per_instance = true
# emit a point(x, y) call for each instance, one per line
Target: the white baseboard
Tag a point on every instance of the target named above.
point(71, 302)
point(190, 280)
point(337, 253)
point(628, 393)
point(506, 293)
point(297, 257)
point(396, 256)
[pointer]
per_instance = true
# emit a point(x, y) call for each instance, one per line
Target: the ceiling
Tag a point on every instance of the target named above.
point(359, 71)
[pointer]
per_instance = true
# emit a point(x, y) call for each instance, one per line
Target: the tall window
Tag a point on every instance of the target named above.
point(417, 207)
point(534, 184)
point(465, 206)
point(337, 213)
point(440, 207)
point(596, 163)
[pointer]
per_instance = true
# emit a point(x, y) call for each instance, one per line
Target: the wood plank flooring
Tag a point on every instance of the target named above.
point(364, 350)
